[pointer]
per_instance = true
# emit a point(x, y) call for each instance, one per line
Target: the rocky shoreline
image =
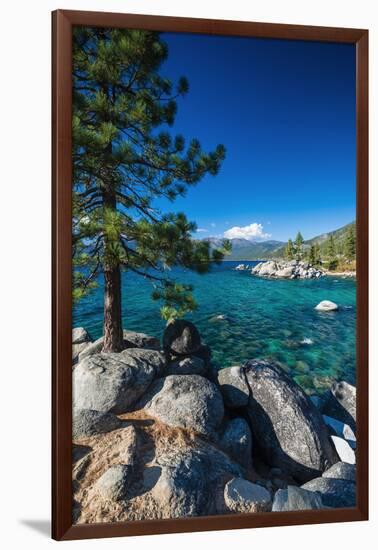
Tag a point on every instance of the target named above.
point(293, 269)
point(158, 432)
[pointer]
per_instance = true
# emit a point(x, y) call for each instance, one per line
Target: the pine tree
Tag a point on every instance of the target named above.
point(121, 163)
point(318, 257)
point(331, 253)
point(298, 245)
point(289, 250)
point(312, 255)
point(350, 244)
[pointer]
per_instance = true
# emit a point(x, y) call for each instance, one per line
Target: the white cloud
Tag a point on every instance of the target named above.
point(252, 232)
point(201, 230)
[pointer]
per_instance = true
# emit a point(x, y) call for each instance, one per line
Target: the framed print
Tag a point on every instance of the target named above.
point(210, 274)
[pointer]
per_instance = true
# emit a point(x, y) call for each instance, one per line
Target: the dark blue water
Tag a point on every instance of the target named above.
point(263, 318)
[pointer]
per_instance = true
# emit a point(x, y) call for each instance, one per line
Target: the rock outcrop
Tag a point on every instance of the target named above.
point(296, 498)
point(181, 338)
point(336, 493)
point(236, 440)
point(186, 401)
point(87, 422)
point(113, 382)
point(234, 387)
point(340, 403)
point(242, 496)
point(280, 269)
point(286, 425)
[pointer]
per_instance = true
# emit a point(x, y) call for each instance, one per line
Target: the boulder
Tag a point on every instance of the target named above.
point(192, 480)
point(242, 496)
point(140, 340)
point(285, 273)
point(181, 338)
point(113, 382)
point(187, 365)
point(336, 493)
point(296, 498)
point(186, 401)
point(326, 305)
point(87, 422)
point(286, 426)
point(234, 388)
point(344, 451)
point(341, 403)
point(80, 335)
point(204, 353)
point(91, 349)
point(236, 441)
point(113, 484)
point(341, 470)
point(77, 349)
point(341, 430)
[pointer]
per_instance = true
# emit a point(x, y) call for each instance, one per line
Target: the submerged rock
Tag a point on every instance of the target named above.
point(287, 427)
point(234, 388)
point(242, 496)
point(87, 422)
point(186, 401)
point(336, 493)
point(113, 382)
point(327, 305)
point(181, 338)
point(296, 498)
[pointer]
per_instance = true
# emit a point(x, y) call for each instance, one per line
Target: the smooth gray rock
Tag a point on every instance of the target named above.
point(133, 339)
point(242, 496)
point(181, 338)
point(87, 422)
point(286, 426)
point(186, 401)
point(236, 441)
point(327, 305)
point(191, 480)
point(341, 403)
point(91, 349)
point(234, 387)
point(343, 449)
point(113, 484)
point(77, 349)
point(296, 498)
point(336, 493)
point(187, 365)
point(113, 382)
point(80, 335)
point(341, 470)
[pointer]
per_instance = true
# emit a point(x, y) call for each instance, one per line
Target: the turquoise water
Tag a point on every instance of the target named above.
point(263, 318)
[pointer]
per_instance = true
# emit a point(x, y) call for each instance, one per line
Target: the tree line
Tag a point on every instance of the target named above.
point(331, 253)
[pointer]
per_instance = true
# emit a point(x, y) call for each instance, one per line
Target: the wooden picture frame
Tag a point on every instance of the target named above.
point(62, 23)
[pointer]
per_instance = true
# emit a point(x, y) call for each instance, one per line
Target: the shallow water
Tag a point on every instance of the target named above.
point(260, 318)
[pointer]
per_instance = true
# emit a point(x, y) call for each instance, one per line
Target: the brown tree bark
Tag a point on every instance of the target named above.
point(113, 334)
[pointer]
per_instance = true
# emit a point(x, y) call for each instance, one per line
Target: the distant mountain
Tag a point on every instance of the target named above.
point(243, 249)
point(322, 240)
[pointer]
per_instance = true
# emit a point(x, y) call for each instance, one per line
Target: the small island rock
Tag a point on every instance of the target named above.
point(326, 305)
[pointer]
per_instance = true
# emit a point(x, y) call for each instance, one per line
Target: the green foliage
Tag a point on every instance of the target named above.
point(312, 255)
point(124, 158)
point(350, 244)
point(298, 246)
point(289, 250)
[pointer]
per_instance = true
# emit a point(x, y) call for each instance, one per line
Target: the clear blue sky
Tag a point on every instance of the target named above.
point(285, 111)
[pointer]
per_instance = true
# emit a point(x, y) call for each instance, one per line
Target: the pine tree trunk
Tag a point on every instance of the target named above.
point(113, 333)
point(113, 338)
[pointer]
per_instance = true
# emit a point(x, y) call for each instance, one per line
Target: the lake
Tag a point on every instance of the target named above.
point(262, 318)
